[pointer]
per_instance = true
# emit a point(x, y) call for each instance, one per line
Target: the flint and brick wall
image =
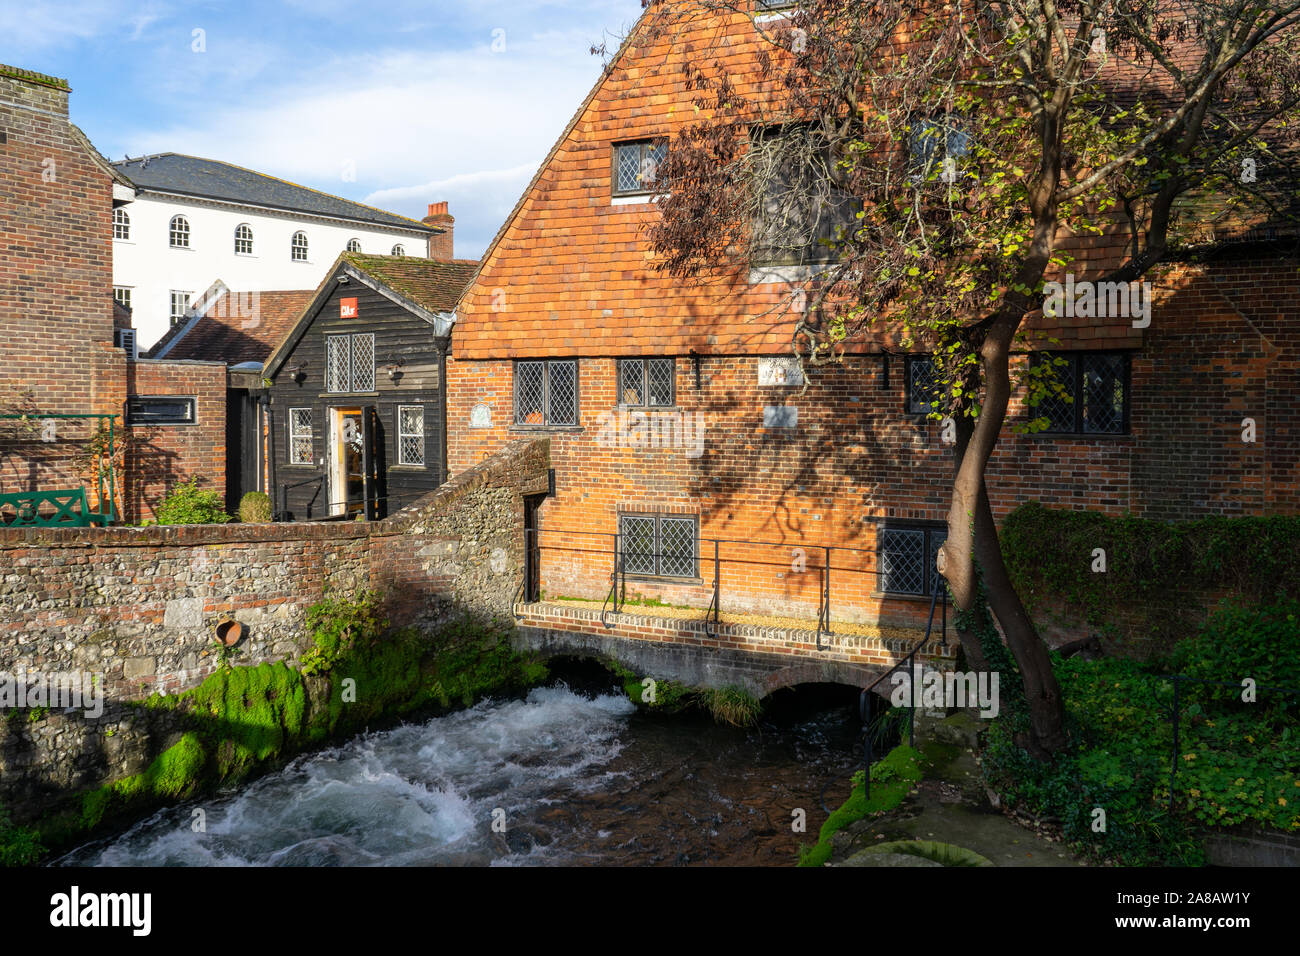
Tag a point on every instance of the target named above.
point(138, 606)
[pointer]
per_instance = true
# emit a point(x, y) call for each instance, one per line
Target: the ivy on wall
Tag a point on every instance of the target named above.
point(1164, 573)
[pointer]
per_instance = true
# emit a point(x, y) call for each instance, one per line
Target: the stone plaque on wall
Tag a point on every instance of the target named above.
point(780, 416)
point(480, 416)
point(779, 370)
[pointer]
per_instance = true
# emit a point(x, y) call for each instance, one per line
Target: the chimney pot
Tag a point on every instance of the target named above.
point(440, 245)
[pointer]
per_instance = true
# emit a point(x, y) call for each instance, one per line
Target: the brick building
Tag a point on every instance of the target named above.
point(678, 422)
point(66, 349)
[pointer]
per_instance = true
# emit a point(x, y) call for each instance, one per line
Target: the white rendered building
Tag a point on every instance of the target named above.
point(194, 221)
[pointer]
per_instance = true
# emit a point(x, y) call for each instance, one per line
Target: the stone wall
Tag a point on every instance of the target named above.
point(137, 607)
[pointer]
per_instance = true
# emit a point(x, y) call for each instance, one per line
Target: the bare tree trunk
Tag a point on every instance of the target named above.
point(972, 536)
point(1042, 691)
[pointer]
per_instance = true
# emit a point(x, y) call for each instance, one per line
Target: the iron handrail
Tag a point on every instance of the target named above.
point(613, 600)
point(616, 585)
point(864, 700)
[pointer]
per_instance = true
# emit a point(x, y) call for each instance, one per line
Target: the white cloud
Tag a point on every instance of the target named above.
point(43, 26)
point(467, 126)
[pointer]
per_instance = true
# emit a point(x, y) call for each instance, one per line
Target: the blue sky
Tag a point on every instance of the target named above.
point(396, 103)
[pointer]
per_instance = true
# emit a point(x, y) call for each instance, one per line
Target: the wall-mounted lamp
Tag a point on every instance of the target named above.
point(299, 372)
point(394, 370)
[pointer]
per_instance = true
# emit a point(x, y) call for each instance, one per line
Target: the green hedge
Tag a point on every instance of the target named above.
point(1154, 569)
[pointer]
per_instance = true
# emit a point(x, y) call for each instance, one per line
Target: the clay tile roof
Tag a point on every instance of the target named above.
point(434, 284)
point(238, 327)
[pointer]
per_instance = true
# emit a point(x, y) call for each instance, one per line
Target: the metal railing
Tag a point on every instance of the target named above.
point(856, 574)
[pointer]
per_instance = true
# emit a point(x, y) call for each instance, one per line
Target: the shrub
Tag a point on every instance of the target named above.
point(19, 846)
point(1237, 761)
point(187, 503)
point(255, 508)
point(1261, 642)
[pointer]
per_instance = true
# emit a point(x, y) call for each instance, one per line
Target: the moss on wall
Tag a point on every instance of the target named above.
point(246, 720)
point(891, 779)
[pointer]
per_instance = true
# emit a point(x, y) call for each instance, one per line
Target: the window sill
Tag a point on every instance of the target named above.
point(409, 469)
point(637, 199)
point(1076, 436)
point(543, 429)
point(349, 394)
point(647, 408)
point(787, 274)
point(900, 596)
point(663, 579)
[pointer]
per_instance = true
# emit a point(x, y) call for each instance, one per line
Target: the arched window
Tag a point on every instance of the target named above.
point(179, 232)
point(354, 245)
point(243, 240)
point(398, 250)
point(121, 224)
point(300, 247)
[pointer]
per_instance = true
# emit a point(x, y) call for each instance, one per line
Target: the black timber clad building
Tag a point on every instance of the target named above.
point(356, 389)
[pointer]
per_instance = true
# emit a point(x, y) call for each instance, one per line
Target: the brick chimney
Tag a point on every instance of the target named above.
point(440, 245)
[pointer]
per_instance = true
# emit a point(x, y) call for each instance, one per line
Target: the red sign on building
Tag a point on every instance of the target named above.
point(347, 308)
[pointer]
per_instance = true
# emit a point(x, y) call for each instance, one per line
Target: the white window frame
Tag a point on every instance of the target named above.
point(178, 232)
point(122, 225)
point(296, 247)
point(171, 308)
point(122, 295)
point(402, 435)
point(297, 434)
point(354, 245)
point(398, 250)
point(244, 227)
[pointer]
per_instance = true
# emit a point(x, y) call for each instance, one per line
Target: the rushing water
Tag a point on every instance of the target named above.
point(582, 778)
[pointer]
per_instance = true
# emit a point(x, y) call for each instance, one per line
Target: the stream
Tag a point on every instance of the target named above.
point(571, 774)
